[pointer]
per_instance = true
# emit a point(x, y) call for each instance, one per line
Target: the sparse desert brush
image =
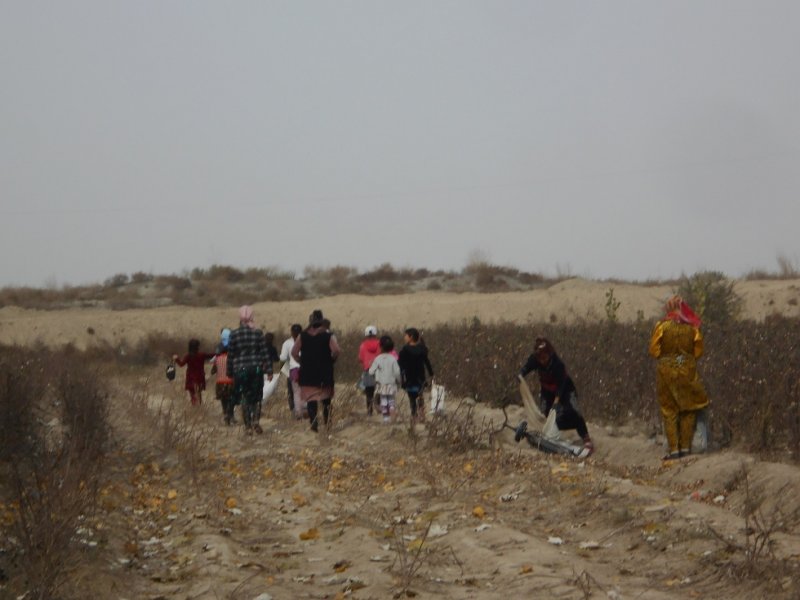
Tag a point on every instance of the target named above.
point(174, 282)
point(54, 424)
point(712, 296)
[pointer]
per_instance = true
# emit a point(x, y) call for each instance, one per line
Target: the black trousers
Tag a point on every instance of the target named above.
point(567, 416)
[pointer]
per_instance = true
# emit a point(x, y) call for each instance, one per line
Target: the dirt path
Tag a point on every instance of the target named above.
point(193, 509)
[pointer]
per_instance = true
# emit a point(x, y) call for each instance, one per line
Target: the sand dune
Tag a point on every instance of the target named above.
point(565, 302)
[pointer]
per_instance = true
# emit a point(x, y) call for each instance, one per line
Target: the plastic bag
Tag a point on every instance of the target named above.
point(269, 386)
point(550, 430)
point(438, 395)
point(700, 439)
point(171, 372)
point(366, 380)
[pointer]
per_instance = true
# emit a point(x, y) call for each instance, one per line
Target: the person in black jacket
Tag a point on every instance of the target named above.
point(413, 361)
point(557, 389)
point(316, 349)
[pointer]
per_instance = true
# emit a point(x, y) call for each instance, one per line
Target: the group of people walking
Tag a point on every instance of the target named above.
point(386, 370)
point(243, 363)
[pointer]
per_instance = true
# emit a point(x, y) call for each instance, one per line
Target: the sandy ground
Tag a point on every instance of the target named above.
point(192, 509)
point(567, 301)
point(366, 510)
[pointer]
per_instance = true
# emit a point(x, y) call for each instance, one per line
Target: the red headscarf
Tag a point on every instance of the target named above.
point(680, 312)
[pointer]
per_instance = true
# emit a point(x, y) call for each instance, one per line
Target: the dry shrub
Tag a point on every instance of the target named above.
point(177, 426)
point(387, 273)
point(174, 282)
point(457, 431)
point(54, 436)
point(754, 558)
point(712, 296)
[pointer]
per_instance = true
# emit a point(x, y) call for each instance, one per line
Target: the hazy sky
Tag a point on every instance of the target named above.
point(627, 139)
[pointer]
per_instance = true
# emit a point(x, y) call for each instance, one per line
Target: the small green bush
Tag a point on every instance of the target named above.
point(712, 296)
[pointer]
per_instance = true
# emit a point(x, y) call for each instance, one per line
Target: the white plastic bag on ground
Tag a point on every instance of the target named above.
point(700, 440)
point(270, 386)
point(550, 430)
point(438, 395)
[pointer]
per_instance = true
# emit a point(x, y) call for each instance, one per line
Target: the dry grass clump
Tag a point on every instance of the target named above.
point(54, 434)
point(787, 269)
point(225, 285)
point(751, 556)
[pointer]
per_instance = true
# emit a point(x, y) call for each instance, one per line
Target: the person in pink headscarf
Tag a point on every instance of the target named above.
point(248, 363)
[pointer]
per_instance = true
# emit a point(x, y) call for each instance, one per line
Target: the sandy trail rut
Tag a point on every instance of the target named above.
point(194, 509)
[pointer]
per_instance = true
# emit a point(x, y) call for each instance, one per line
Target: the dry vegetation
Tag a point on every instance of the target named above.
point(221, 285)
point(111, 483)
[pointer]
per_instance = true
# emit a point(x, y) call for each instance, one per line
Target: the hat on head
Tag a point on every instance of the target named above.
point(315, 318)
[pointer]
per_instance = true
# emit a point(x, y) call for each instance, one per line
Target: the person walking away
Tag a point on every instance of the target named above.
point(413, 360)
point(248, 363)
point(386, 372)
point(316, 349)
point(291, 369)
point(557, 390)
point(369, 349)
point(676, 343)
point(195, 363)
point(224, 385)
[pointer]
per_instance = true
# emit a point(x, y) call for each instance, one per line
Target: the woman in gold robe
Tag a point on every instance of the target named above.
point(676, 344)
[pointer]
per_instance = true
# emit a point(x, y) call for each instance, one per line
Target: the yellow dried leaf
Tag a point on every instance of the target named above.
point(478, 512)
point(267, 472)
point(311, 534)
point(401, 462)
point(336, 464)
point(231, 502)
point(415, 544)
point(468, 468)
point(525, 569)
point(172, 494)
point(299, 499)
point(388, 487)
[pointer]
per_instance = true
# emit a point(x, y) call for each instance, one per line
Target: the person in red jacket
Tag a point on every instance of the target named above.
point(367, 351)
point(195, 363)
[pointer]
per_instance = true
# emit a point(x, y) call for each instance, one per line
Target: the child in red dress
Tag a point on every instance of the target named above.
point(195, 363)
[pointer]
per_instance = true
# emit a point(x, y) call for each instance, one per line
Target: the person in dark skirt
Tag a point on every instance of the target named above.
point(316, 349)
point(557, 390)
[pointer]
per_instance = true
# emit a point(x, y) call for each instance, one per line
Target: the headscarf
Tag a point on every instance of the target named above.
point(224, 337)
point(246, 316)
point(678, 311)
